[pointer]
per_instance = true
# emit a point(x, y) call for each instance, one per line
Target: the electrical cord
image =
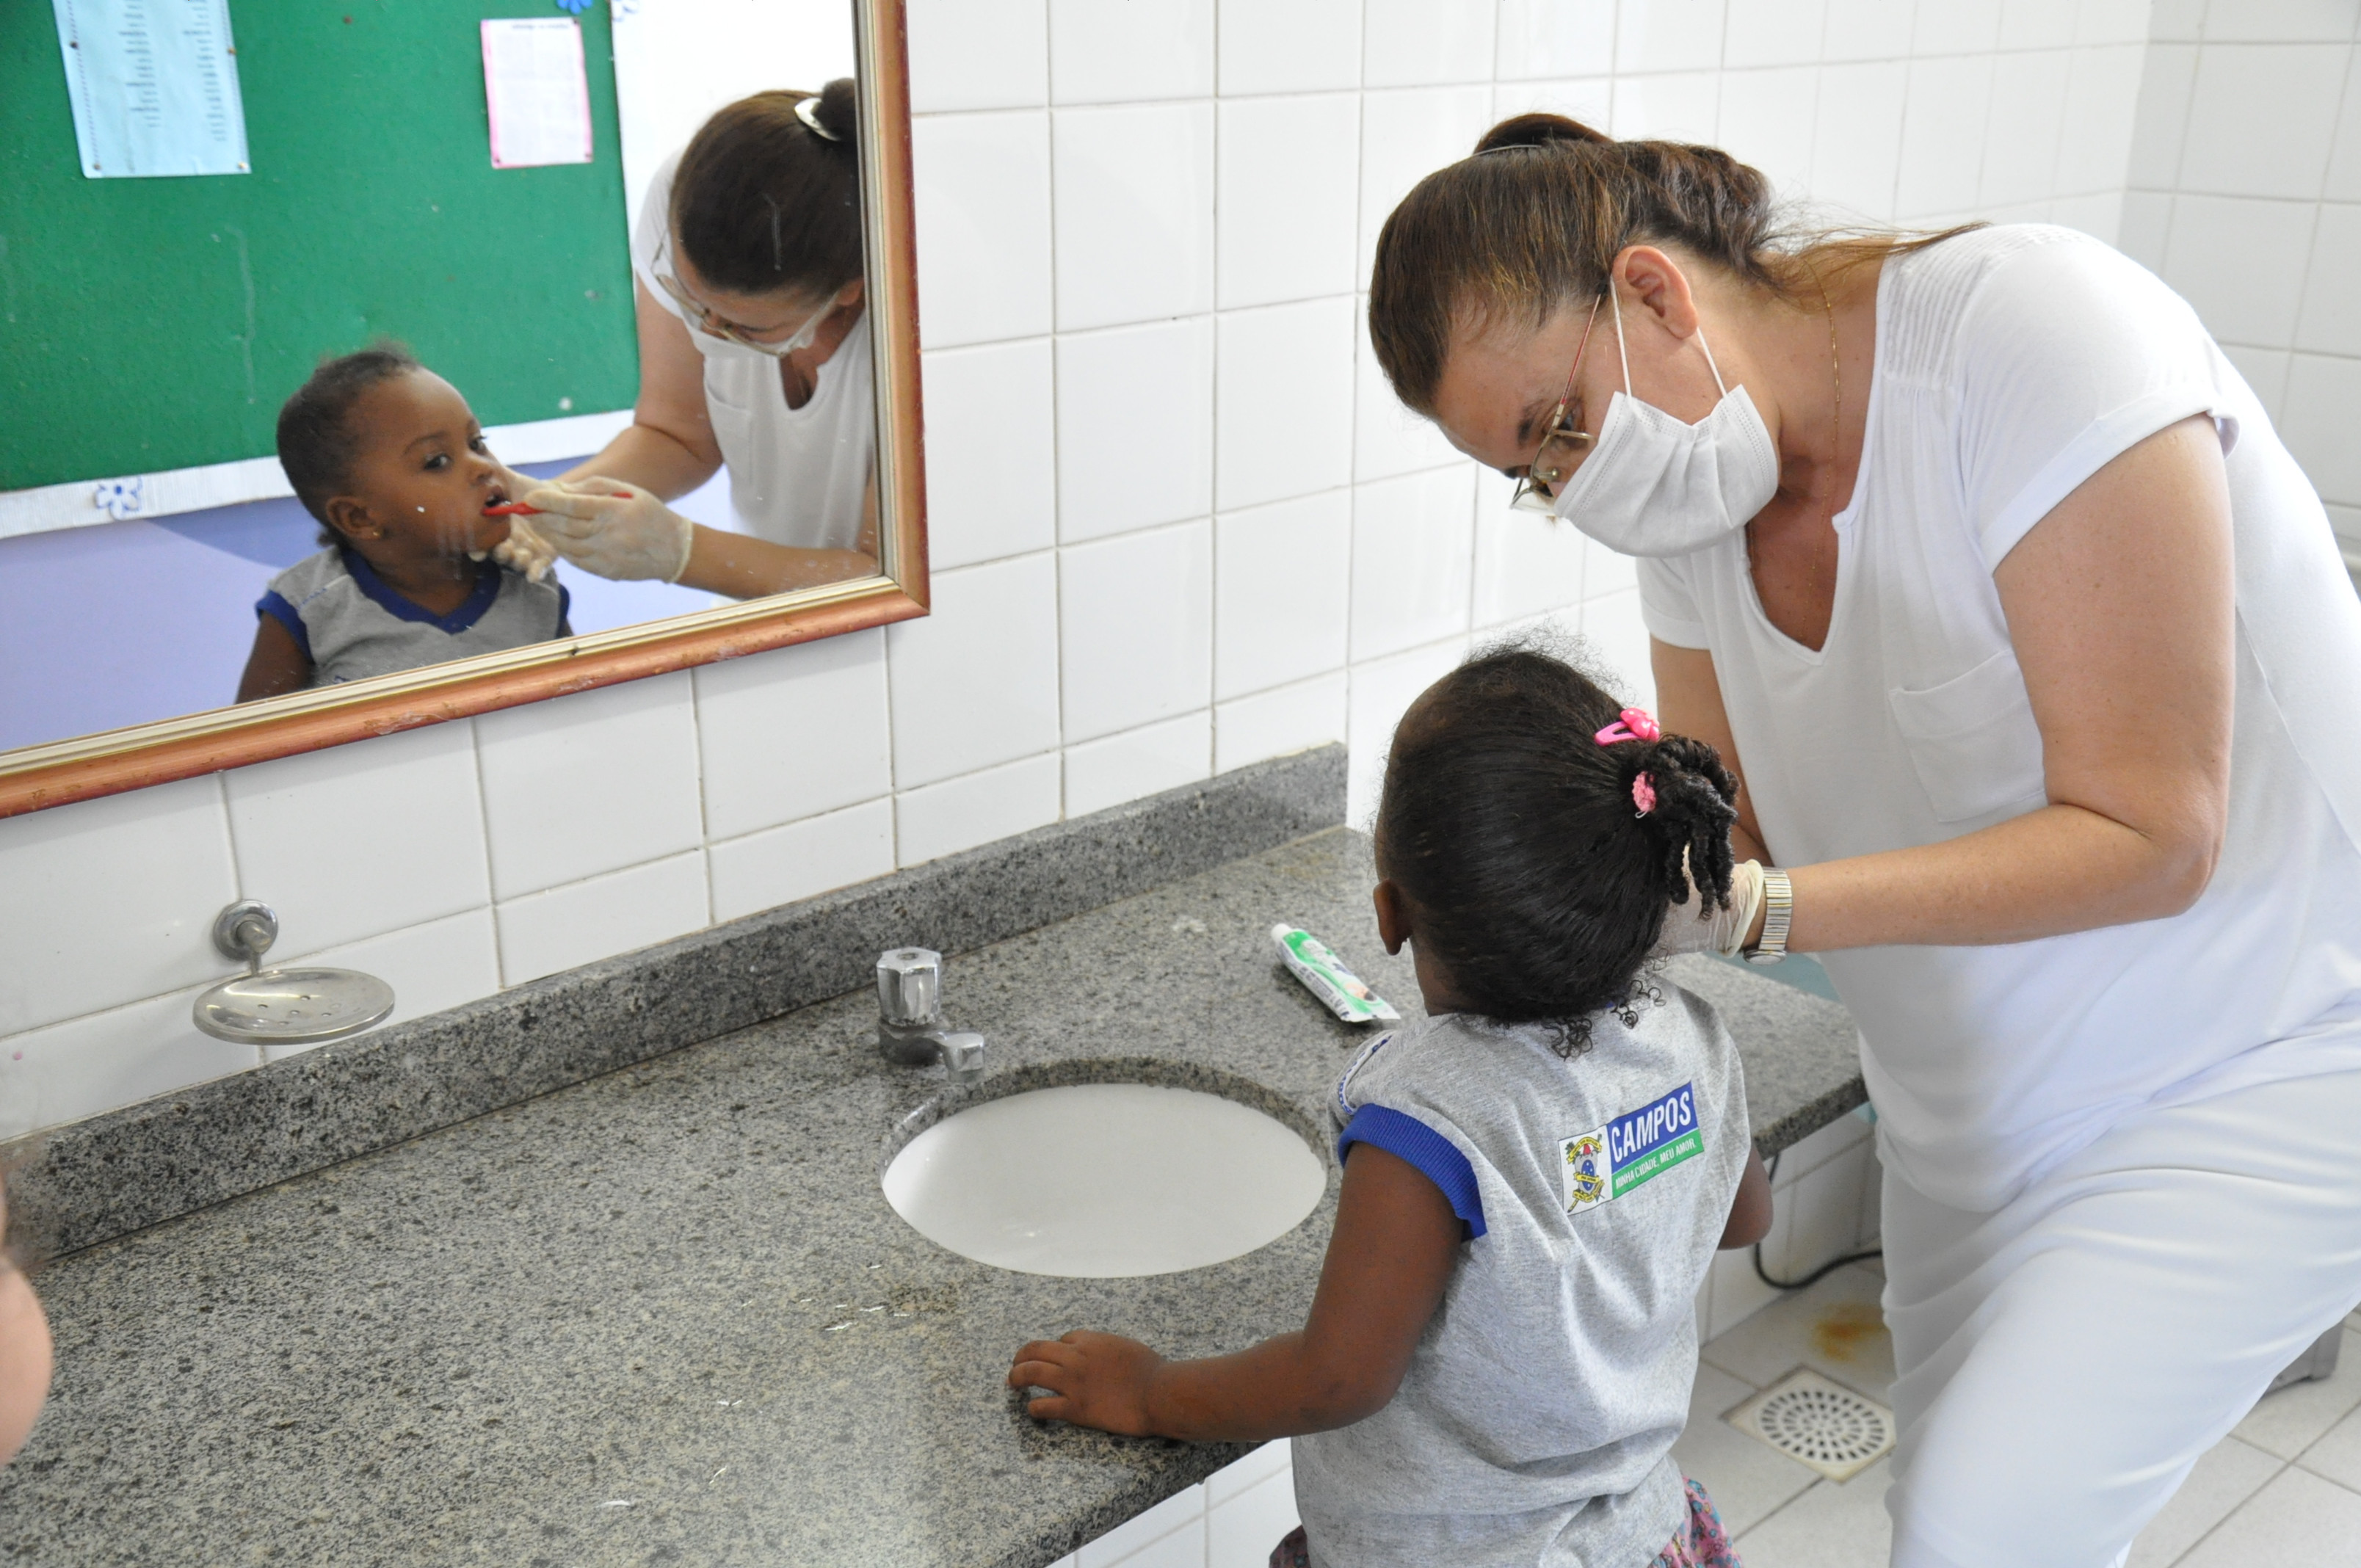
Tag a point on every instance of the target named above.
point(1816, 1274)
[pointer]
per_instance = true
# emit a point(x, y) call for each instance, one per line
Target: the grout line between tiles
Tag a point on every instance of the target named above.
point(2211, 1530)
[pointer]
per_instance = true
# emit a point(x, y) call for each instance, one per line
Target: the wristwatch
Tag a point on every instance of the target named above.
point(1778, 908)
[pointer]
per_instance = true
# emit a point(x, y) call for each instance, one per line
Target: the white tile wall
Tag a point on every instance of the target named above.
point(798, 859)
point(1279, 722)
point(978, 54)
point(432, 966)
point(1180, 522)
point(1283, 583)
point(1106, 54)
point(1307, 46)
point(352, 853)
point(981, 194)
point(1142, 761)
point(1286, 229)
point(756, 728)
point(562, 927)
point(601, 781)
point(1135, 427)
point(1284, 401)
point(2245, 193)
point(991, 445)
point(1135, 211)
point(1136, 629)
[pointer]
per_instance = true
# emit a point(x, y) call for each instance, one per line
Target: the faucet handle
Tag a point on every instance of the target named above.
point(962, 1051)
point(910, 986)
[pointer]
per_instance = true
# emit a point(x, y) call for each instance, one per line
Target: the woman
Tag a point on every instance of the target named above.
point(2033, 653)
point(754, 351)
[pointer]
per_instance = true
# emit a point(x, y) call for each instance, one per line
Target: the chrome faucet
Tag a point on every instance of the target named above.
point(910, 1029)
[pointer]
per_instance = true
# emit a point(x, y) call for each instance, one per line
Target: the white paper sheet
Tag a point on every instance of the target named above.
point(535, 91)
point(154, 87)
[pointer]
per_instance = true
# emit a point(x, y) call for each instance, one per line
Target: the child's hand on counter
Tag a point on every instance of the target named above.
point(1095, 1380)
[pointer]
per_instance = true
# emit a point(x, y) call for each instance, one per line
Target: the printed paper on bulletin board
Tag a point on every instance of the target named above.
point(150, 325)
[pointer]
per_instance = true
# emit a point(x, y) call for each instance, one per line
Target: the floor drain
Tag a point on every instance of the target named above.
point(1818, 1423)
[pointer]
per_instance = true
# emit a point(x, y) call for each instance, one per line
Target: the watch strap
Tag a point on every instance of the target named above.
point(1778, 910)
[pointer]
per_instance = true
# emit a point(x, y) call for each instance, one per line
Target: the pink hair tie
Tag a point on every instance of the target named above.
point(1631, 724)
point(1643, 794)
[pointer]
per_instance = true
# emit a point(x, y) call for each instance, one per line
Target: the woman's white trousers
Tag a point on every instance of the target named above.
point(2062, 1362)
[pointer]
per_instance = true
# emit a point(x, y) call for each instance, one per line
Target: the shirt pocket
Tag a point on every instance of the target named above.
point(1972, 741)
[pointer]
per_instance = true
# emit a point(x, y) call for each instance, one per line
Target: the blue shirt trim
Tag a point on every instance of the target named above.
point(274, 605)
point(1433, 1156)
point(486, 589)
point(565, 608)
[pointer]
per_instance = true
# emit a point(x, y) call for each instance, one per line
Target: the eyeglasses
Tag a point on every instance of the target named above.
point(720, 326)
point(1561, 440)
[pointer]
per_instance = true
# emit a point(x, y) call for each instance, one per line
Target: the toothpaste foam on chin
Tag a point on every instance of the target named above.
point(1324, 975)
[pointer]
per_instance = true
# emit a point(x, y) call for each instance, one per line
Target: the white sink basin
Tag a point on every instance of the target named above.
point(1103, 1180)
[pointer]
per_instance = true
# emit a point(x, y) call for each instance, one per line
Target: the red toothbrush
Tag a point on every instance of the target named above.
point(511, 508)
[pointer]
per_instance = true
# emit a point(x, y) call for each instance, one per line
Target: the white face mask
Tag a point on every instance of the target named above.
point(1653, 486)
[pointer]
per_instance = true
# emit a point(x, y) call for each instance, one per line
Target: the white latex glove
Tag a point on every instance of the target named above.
point(525, 551)
point(1720, 930)
point(612, 529)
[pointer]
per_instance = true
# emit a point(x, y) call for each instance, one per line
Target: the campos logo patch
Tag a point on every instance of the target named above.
point(1605, 1163)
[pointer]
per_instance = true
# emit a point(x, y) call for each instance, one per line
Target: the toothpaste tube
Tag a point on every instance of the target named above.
point(1323, 974)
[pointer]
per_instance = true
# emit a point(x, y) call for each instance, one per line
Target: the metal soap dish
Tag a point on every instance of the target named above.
point(283, 1006)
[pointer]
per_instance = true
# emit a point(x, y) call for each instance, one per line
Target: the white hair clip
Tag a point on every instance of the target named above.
point(808, 111)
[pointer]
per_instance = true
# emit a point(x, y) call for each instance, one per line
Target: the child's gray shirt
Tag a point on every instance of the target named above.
point(351, 625)
point(1535, 1424)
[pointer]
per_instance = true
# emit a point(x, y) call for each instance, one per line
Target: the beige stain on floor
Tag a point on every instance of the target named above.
point(1851, 1332)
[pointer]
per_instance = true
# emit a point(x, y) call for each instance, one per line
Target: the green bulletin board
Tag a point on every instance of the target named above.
point(148, 325)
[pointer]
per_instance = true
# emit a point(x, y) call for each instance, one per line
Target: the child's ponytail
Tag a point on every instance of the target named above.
point(1692, 798)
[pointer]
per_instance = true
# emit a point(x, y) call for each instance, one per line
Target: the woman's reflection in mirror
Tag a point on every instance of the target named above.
point(754, 351)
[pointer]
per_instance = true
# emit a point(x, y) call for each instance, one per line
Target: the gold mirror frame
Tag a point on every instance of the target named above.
point(113, 761)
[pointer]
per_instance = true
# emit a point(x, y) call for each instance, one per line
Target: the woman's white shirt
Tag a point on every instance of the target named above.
point(797, 476)
point(2011, 363)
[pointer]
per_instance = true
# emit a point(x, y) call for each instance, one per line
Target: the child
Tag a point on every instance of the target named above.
point(1501, 1351)
point(387, 455)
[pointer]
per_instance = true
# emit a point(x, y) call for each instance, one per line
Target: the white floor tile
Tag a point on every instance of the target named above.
point(1834, 1328)
point(1160, 1536)
point(1830, 1525)
point(1748, 1479)
point(2229, 1473)
point(2337, 1455)
point(2288, 1422)
point(1240, 1532)
point(1737, 1292)
point(1250, 1472)
point(2298, 1517)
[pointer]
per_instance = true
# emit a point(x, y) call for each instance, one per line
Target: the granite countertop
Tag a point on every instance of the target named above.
point(666, 1315)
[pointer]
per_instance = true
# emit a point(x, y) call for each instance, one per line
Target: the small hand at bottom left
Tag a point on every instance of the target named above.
point(1095, 1380)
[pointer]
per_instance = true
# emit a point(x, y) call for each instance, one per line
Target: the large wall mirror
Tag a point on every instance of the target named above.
point(299, 302)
